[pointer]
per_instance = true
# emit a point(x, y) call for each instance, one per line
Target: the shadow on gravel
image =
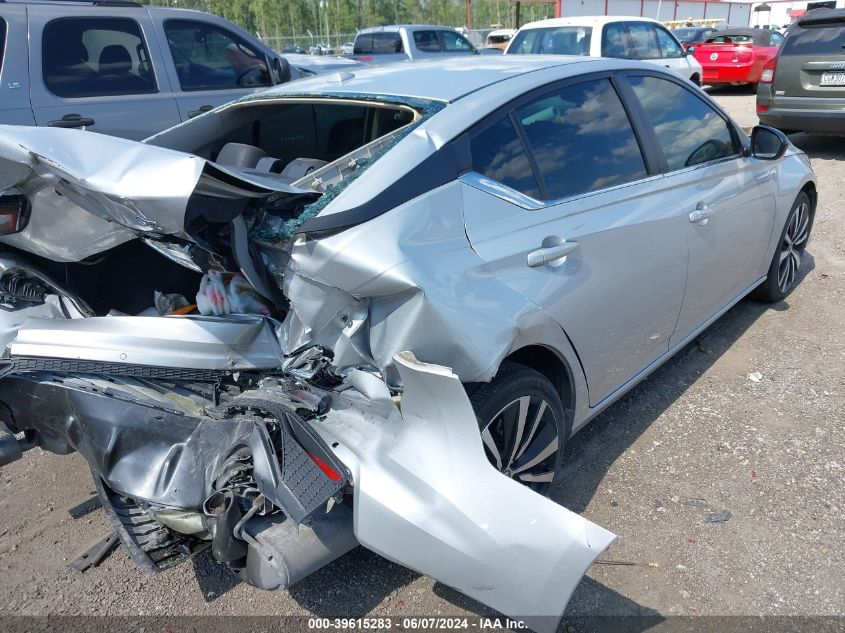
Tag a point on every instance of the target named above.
point(591, 452)
point(730, 89)
point(213, 579)
point(352, 586)
point(823, 147)
point(589, 598)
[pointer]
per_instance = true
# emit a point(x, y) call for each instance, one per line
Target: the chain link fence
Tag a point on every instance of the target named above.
point(333, 44)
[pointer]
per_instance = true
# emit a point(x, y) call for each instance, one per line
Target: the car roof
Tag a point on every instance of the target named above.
point(443, 79)
point(822, 15)
point(585, 20)
point(395, 27)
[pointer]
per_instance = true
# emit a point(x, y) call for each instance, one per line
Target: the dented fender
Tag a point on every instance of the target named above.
point(426, 497)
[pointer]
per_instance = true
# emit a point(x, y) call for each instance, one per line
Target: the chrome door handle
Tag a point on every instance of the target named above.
point(701, 214)
point(549, 254)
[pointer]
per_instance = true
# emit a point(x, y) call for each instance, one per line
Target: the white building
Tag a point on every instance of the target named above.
point(784, 12)
point(733, 13)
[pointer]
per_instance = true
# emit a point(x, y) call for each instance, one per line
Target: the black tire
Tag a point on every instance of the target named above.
point(497, 407)
point(696, 80)
point(786, 262)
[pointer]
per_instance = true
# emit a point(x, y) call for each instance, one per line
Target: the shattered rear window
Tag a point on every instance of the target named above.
point(334, 177)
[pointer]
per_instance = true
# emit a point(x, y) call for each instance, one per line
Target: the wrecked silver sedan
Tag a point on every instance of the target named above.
point(370, 309)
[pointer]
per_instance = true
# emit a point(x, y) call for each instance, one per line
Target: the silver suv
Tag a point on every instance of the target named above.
point(122, 68)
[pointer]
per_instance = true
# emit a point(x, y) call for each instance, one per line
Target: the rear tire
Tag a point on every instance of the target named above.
point(523, 426)
point(786, 262)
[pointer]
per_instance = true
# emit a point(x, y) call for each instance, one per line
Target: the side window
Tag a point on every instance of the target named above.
point(668, 46)
point(380, 43)
point(614, 41)
point(777, 39)
point(2, 40)
point(455, 43)
point(581, 139)
point(643, 41)
point(427, 41)
point(95, 57)
point(208, 57)
point(498, 153)
point(689, 131)
point(386, 43)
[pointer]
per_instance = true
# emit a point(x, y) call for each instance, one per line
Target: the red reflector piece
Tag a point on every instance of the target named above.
point(762, 108)
point(329, 472)
point(13, 214)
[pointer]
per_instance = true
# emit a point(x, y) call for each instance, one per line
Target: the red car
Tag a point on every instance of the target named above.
point(737, 56)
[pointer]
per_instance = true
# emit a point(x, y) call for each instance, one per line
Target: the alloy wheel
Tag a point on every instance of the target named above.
point(521, 441)
point(794, 239)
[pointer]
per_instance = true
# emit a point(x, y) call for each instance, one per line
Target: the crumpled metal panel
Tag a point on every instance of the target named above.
point(107, 190)
point(420, 286)
point(236, 342)
point(426, 497)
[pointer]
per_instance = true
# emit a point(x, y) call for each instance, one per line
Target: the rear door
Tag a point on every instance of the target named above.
point(563, 207)
point(98, 68)
point(209, 64)
point(15, 108)
point(812, 62)
point(727, 200)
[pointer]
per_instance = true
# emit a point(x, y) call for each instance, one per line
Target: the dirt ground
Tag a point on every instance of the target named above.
point(728, 493)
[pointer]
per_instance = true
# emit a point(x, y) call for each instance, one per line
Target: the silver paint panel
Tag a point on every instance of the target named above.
point(425, 496)
point(237, 342)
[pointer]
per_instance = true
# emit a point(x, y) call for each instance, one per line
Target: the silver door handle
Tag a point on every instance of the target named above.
point(702, 213)
point(550, 253)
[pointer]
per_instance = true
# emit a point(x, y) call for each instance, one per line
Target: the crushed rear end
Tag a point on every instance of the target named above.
point(221, 432)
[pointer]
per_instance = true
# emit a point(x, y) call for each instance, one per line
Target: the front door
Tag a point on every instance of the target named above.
point(726, 198)
point(564, 210)
point(210, 65)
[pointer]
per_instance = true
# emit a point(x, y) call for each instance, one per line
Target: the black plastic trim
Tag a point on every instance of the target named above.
point(435, 171)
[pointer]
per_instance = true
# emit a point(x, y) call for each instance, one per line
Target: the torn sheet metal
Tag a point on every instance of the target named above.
point(107, 190)
point(233, 343)
point(426, 497)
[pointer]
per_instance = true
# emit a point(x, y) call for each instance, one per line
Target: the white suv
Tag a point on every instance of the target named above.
point(606, 36)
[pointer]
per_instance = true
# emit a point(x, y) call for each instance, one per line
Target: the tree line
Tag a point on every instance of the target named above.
point(294, 18)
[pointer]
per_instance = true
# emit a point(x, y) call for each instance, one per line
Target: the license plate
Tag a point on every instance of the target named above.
point(832, 79)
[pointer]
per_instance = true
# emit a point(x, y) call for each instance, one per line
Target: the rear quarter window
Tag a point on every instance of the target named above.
point(379, 43)
point(498, 153)
point(561, 40)
point(822, 39)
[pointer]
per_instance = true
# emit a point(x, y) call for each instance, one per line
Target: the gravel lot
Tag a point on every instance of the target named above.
point(697, 442)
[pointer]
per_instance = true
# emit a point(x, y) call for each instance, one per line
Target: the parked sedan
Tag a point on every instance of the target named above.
point(803, 88)
point(737, 56)
point(503, 256)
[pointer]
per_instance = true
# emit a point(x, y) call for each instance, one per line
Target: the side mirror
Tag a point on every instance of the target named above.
point(767, 143)
point(690, 51)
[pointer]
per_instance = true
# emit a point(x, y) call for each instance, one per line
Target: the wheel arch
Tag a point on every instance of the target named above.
point(812, 193)
point(548, 363)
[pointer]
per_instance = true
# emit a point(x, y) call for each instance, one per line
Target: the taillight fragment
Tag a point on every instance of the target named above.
point(14, 214)
point(768, 75)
